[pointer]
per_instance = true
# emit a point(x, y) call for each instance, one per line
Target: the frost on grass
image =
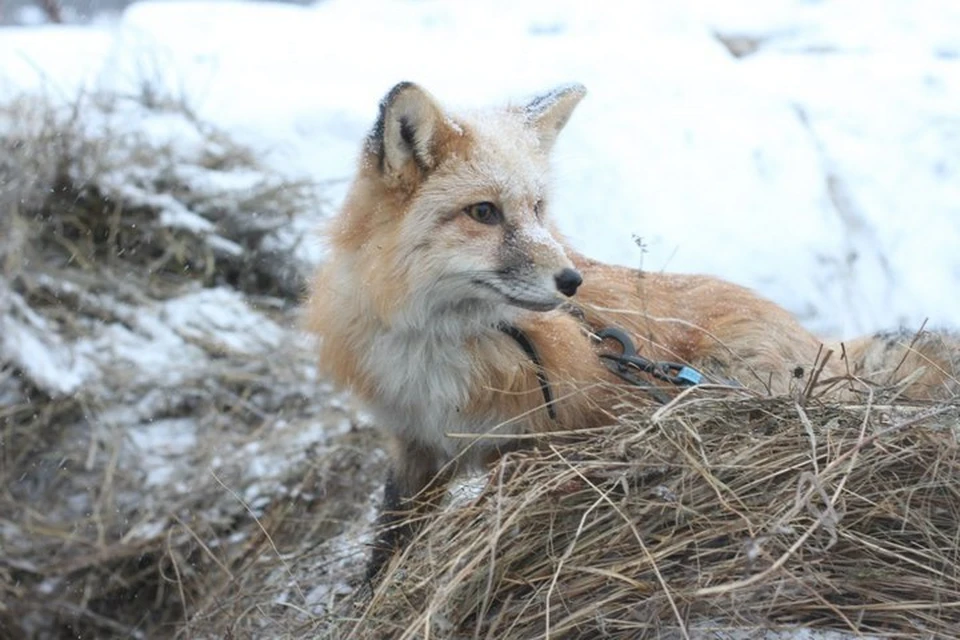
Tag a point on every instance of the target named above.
point(162, 426)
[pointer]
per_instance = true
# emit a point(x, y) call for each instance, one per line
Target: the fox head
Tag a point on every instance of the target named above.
point(451, 211)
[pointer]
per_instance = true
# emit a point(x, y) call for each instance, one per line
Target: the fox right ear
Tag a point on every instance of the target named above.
point(548, 113)
point(406, 136)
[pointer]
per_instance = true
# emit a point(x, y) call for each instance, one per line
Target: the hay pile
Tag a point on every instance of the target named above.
point(161, 425)
point(712, 518)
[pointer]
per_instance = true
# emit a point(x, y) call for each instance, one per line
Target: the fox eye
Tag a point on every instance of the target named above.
point(484, 213)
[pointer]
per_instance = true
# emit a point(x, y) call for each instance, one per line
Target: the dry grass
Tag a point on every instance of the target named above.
point(151, 456)
point(93, 199)
point(714, 513)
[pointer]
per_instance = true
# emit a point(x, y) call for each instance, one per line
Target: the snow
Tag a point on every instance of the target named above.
point(223, 313)
point(27, 342)
point(159, 440)
point(56, 60)
point(823, 170)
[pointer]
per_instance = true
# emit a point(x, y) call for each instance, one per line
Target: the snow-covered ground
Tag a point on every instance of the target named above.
point(823, 168)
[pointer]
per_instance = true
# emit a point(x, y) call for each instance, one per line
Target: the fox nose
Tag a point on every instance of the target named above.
point(567, 281)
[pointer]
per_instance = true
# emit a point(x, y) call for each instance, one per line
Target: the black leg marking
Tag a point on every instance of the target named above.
point(392, 532)
point(413, 488)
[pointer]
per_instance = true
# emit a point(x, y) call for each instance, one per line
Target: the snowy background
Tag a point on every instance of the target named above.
point(809, 149)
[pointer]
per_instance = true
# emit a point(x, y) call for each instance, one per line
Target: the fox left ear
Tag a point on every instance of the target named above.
point(547, 114)
point(408, 133)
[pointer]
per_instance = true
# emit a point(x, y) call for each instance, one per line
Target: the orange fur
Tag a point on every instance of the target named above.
point(410, 298)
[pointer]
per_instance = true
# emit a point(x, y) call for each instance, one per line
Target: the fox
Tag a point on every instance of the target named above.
point(452, 307)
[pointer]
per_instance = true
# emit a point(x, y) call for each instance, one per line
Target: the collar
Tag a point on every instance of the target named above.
point(525, 343)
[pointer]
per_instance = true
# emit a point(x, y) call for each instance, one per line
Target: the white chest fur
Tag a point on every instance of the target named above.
point(425, 375)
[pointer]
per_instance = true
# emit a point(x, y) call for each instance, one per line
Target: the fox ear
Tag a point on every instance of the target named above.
point(408, 131)
point(547, 114)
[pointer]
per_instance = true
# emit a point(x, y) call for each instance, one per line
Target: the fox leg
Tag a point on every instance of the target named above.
point(415, 485)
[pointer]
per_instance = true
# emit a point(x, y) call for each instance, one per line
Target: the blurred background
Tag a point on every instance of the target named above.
point(17, 12)
point(806, 148)
point(37, 12)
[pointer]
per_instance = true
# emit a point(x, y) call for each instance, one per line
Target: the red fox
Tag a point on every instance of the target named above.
point(450, 305)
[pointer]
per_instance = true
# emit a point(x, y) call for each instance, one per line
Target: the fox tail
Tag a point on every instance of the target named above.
point(925, 364)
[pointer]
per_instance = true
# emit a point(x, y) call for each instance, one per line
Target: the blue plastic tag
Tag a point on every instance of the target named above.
point(690, 375)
